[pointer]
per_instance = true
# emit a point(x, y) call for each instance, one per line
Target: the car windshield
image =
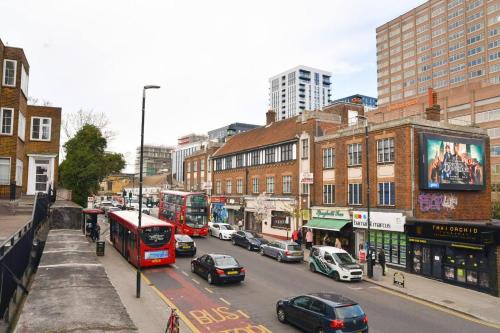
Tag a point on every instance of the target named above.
point(196, 220)
point(225, 261)
point(351, 311)
point(294, 247)
point(344, 258)
point(226, 227)
point(251, 234)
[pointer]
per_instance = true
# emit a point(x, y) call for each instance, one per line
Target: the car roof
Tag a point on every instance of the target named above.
point(220, 255)
point(182, 236)
point(331, 249)
point(287, 242)
point(334, 300)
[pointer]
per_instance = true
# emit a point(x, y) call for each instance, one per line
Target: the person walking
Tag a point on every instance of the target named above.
point(295, 235)
point(381, 260)
point(299, 238)
point(309, 239)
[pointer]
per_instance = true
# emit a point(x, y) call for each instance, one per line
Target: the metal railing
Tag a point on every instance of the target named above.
point(15, 255)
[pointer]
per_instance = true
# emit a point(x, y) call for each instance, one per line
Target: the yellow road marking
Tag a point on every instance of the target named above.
point(210, 291)
point(441, 308)
point(173, 306)
point(195, 281)
point(222, 299)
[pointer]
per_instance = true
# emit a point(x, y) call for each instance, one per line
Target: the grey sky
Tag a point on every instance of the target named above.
point(212, 58)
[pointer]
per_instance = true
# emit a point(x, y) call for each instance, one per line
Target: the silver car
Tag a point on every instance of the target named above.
point(282, 251)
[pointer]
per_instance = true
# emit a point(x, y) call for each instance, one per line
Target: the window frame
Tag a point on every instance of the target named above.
point(287, 184)
point(8, 169)
point(305, 148)
point(328, 194)
point(255, 185)
point(21, 126)
point(41, 130)
point(286, 152)
point(239, 186)
point(229, 186)
point(382, 190)
point(270, 155)
point(19, 174)
point(350, 194)
point(5, 61)
point(329, 159)
point(270, 184)
point(386, 149)
point(354, 154)
point(11, 124)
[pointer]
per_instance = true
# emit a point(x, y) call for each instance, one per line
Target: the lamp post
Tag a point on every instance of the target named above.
point(138, 277)
point(369, 256)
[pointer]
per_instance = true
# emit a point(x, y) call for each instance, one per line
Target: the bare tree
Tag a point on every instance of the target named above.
point(38, 101)
point(72, 122)
point(292, 210)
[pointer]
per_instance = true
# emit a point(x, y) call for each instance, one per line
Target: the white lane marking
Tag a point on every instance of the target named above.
point(210, 291)
point(195, 281)
point(69, 265)
point(355, 288)
point(66, 250)
point(186, 274)
point(375, 287)
point(222, 299)
point(175, 266)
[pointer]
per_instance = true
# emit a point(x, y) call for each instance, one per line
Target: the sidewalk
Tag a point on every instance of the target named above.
point(149, 312)
point(466, 301)
point(459, 299)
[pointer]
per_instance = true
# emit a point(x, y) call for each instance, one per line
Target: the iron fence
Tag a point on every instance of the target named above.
point(15, 254)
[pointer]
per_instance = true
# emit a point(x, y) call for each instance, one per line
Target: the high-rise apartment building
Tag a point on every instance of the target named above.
point(155, 158)
point(369, 103)
point(298, 89)
point(220, 134)
point(452, 46)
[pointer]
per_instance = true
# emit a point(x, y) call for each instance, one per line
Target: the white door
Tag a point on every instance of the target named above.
point(40, 174)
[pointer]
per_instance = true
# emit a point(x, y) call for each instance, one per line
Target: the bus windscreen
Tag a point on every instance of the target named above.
point(156, 236)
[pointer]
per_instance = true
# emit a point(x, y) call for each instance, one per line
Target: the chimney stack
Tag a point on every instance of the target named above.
point(270, 117)
point(433, 111)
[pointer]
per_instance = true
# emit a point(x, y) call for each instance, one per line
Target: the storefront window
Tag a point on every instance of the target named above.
point(393, 243)
point(417, 258)
point(484, 280)
point(449, 273)
point(472, 277)
point(461, 275)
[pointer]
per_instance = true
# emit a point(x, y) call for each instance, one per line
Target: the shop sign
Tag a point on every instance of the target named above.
point(305, 214)
point(218, 199)
point(279, 220)
point(206, 185)
point(326, 213)
point(306, 178)
point(379, 221)
point(454, 232)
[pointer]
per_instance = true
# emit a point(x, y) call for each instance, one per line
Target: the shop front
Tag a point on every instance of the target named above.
point(270, 216)
point(386, 232)
point(464, 254)
point(332, 226)
point(218, 209)
point(234, 207)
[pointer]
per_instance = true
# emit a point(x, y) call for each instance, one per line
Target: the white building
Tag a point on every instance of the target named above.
point(298, 89)
point(186, 146)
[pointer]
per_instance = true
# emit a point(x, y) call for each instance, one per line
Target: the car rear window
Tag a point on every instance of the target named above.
point(294, 248)
point(350, 311)
point(226, 227)
point(225, 262)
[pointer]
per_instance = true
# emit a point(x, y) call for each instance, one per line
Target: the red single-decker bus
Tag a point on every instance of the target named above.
point(188, 211)
point(156, 238)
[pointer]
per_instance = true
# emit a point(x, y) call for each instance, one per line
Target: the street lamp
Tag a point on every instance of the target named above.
point(138, 278)
point(370, 267)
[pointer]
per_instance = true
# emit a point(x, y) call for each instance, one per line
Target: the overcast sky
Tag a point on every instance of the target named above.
point(212, 59)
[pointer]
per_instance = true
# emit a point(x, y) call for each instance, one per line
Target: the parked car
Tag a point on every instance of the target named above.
point(282, 251)
point(334, 262)
point(184, 245)
point(105, 206)
point(323, 313)
point(249, 239)
point(222, 230)
point(218, 268)
point(111, 209)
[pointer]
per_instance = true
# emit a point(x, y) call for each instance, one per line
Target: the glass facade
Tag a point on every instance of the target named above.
point(393, 243)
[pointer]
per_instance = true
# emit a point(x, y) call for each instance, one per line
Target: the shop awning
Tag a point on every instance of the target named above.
point(327, 224)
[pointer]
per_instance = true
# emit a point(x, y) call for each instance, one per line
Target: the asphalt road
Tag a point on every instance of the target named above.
point(250, 306)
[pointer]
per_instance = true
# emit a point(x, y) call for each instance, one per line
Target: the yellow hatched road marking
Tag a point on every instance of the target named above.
point(441, 308)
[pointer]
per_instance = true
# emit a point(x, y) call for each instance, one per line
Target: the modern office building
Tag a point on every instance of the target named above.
point(298, 89)
point(155, 158)
point(220, 134)
point(370, 103)
point(452, 46)
point(186, 145)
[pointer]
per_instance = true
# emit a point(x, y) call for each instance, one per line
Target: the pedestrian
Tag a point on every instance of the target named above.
point(295, 235)
point(309, 239)
point(381, 260)
point(240, 224)
point(326, 240)
point(338, 243)
point(299, 239)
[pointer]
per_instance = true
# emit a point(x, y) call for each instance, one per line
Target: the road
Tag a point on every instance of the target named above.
point(250, 306)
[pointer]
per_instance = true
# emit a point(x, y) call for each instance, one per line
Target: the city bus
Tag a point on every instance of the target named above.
point(157, 241)
point(188, 211)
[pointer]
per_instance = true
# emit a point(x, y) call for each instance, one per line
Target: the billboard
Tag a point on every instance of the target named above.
point(451, 163)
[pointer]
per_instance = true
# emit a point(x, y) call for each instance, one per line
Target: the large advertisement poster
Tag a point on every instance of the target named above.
point(451, 163)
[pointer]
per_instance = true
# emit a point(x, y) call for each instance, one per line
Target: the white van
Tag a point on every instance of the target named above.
point(334, 262)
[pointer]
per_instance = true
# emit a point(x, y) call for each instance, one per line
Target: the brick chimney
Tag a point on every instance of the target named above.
point(433, 111)
point(270, 117)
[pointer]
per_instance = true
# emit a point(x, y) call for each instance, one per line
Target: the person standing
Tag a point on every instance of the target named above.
point(381, 260)
point(309, 239)
point(295, 235)
point(240, 224)
point(299, 238)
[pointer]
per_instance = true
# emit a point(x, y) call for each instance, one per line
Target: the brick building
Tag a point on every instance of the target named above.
point(429, 196)
point(266, 172)
point(197, 171)
point(29, 135)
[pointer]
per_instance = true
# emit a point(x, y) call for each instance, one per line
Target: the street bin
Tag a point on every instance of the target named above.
point(99, 248)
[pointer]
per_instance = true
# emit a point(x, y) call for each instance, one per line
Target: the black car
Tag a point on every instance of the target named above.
point(323, 313)
point(184, 245)
point(218, 268)
point(248, 239)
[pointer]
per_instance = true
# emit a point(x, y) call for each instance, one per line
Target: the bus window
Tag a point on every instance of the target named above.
point(194, 220)
point(156, 236)
point(196, 201)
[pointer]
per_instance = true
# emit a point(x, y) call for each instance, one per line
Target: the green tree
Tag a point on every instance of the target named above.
point(87, 163)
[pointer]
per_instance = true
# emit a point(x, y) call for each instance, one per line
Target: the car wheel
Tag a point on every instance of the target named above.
point(249, 247)
point(336, 276)
point(281, 315)
point(220, 236)
point(261, 251)
point(312, 268)
point(279, 258)
point(192, 267)
point(210, 278)
point(233, 241)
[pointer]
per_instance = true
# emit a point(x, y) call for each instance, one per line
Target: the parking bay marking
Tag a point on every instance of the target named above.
point(210, 291)
point(222, 299)
point(186, 274)
point(196, 281)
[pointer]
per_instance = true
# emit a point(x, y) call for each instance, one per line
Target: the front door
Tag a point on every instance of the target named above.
point(437, 262)
point(426, 260)
point(41, 175)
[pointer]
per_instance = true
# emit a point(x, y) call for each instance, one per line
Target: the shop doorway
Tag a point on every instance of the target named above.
point(437, 262)
point(426, 260)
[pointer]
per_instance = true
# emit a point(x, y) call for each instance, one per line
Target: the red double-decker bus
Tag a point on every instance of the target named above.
point(156, 238)
point(188, 211)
